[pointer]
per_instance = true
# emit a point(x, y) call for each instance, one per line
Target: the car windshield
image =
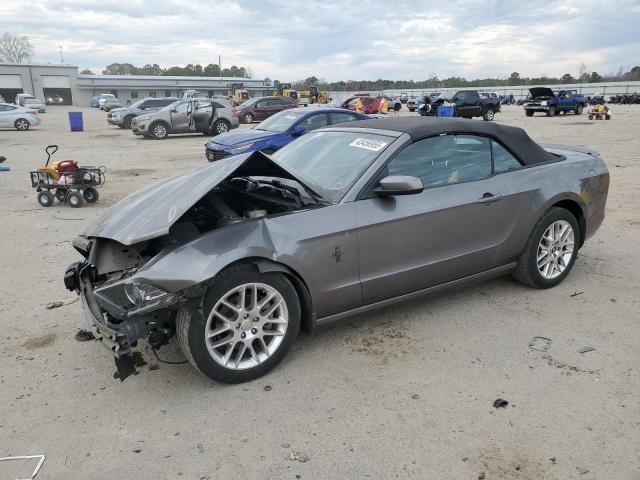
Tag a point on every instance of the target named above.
point(280, 122)
point(249, 102)
point(330, 162)
point(137, 104)
point(335, 102)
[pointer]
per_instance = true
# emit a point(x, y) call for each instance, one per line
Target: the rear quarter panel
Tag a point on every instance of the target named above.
point(580, 177)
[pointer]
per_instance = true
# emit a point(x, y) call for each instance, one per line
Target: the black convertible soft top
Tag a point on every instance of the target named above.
point(514, 138)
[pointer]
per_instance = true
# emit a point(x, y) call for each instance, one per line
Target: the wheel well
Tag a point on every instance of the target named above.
point(266, 265)
point(575, 208)
point(222, 120)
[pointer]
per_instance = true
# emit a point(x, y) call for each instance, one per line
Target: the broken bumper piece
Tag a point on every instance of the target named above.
point(130, 322)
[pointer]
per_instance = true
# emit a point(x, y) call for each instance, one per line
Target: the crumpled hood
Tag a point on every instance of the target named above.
point(240, 137)
point(541, 92)
point(150, 212)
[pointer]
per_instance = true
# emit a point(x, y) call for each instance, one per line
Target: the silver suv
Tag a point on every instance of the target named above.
point(122, 116)
point(210, 116)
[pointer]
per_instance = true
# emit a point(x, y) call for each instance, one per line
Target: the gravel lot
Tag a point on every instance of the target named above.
point(405, 392)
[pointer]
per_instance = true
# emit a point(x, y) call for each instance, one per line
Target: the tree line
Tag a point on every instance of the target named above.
point(190, 70)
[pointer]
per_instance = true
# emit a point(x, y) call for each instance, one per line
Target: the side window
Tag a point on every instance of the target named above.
point(262, 103)
point(503, 161)
point(444, 160)
point(342, 118)
point(217, 105)
point(314, 121)
point(368, 100)
point(182, 108)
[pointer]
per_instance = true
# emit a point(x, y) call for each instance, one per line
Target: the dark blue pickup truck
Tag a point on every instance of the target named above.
point(543, 99)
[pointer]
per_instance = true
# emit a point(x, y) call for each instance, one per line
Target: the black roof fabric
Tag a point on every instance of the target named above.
point(515, 139)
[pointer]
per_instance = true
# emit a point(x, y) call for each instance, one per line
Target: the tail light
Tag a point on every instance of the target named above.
point(234, 110)
point(32, 112)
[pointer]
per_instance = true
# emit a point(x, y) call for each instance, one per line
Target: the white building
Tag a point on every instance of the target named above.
point(45, 80)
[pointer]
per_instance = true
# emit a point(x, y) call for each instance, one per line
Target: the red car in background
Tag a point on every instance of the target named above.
point(371, 104)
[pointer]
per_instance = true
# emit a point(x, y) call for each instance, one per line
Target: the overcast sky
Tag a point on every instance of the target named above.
point(337, 40)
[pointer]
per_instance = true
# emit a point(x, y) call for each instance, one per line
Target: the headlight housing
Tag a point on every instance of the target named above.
point(241, 148)
point(145, 117)
point(115, 115)
point(139, 293)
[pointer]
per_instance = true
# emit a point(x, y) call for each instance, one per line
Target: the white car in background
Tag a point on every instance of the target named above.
point(20, 118)
point(34, 104)
point(103, 98)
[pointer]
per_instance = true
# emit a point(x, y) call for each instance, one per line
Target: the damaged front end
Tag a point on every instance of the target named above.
point(120, 309)
point(144, 258)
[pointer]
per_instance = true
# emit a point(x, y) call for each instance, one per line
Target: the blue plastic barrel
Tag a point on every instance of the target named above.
point(75, 121)
point(445, 111)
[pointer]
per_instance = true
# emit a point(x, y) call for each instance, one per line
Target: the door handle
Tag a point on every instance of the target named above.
point(490, 198)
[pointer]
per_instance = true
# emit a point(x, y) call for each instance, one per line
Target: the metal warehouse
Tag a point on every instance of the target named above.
point(46, 80)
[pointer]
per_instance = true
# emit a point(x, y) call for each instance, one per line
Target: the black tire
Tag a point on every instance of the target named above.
point(220, 126)
point(61, 194)
point(45, 198)
point(488, 115)
point(527, 269)
point(247, 118)
point(590, 116)
point(579, 109)
point(551, 112)
point(74, 199)
point(90, 195)
point(22, 124)
point(190, 331)
point(159, 130)
point(127, 122)
point(529, 113)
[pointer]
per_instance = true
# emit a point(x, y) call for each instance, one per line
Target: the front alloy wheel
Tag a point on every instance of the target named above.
point(248, 118)
point(249, 322)
point(159, 131)
point(22, 124)
point(246, 326)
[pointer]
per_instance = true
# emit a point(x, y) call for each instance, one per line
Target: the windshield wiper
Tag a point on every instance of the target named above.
point(277, 183)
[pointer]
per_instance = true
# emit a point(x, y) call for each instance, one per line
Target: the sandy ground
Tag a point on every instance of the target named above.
point(405, 392)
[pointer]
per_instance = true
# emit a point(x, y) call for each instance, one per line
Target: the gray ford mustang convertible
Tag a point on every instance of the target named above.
point(235, 257)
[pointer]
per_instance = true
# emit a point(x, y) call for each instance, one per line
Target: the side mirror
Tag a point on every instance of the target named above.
point(297, 130)
point(173, 110)
point(399, 185)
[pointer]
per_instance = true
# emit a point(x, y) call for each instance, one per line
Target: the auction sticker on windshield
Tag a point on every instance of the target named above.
point(368, 144)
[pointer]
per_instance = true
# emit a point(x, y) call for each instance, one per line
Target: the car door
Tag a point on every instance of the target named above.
point(203, 112)
point(6, 115)
point(260, 110)
point(450, 230)
point(180, 118)
point(467, 104)
point(566, 100)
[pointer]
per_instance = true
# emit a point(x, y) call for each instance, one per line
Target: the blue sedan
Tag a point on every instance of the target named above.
point(277, 131)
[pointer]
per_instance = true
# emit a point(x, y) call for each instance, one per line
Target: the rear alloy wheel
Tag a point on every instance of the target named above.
point(220, 126)
point(550, 251)
point(159, 131)
point(45, 198)
point(22, 124)
point(247, 118)
point(75, 199)
point(488, 115)
point(251, 320)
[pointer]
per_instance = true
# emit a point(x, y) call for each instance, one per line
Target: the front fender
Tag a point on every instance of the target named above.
point(206, 255)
